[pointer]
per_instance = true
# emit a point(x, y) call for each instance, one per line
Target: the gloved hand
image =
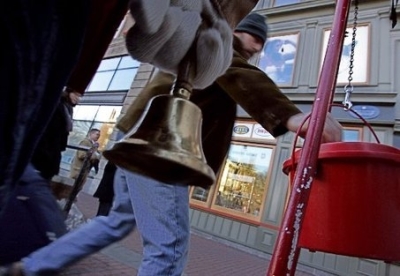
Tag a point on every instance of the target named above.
point(165, 30)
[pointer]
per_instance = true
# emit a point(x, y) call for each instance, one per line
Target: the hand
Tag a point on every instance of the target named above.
point(74, 97)
point(165, 30)
point(332, 130)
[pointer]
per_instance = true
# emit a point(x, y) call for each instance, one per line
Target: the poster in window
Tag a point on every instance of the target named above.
point(277, 59)
point(361, 55)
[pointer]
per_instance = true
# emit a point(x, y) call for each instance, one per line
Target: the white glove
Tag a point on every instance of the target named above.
point(165, 30)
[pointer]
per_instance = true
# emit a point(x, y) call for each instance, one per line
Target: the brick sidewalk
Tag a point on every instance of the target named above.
point(207, 256)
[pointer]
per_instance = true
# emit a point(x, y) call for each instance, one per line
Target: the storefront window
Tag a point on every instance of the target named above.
point(85, 118)
point(244, 179)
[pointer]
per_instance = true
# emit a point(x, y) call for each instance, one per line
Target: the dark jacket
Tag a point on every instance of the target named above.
point(105, 190)
point(243, 84)
point(47, 156)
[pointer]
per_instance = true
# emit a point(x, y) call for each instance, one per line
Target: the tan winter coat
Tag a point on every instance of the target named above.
point(79, 158)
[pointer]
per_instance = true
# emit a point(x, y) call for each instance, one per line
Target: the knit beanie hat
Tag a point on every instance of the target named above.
point(254, 24)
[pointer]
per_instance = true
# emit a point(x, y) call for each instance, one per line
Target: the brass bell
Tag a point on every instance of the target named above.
point(166, 145)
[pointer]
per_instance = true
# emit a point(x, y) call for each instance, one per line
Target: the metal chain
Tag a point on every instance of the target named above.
point(348, 89)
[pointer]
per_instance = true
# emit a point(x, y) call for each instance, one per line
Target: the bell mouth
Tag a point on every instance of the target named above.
point(162, 165)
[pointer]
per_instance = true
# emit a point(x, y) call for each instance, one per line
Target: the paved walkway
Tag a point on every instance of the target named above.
point(208, 255)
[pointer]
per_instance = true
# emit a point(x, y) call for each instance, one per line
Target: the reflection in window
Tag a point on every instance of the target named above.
point(85, 118)
point(114, 74)
point(243, 182)
point(108, 113)
point(285, 2)
point(128, 62)
point(108, 64)
point(200, 194)
point(101, 81)
point(122, 79)
point(351, 135)
point(85, 112)
point(278, 57)
point(360, 57)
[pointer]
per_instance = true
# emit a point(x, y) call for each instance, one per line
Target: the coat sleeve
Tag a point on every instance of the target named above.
point(258, 95)
point(80, 153)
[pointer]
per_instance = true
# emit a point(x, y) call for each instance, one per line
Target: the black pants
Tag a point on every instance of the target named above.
point(104, 208)
point(41, 42)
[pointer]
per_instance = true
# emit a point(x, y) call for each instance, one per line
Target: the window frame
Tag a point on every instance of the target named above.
point(113, 71)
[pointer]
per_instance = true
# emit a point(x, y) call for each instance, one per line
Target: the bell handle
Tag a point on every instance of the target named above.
point(183, 84)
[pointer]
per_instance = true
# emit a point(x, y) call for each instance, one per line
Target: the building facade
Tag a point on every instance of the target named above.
point(247, 202)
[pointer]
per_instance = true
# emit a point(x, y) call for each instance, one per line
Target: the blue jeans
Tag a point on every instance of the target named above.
point(160, 212)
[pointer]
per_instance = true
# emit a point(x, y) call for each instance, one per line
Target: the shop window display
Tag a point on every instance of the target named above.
point(244, 179)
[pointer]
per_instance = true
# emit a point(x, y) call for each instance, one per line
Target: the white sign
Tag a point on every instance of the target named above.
point(260, 133)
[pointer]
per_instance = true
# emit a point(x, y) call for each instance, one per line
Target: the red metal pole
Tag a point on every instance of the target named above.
point(286, 253)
